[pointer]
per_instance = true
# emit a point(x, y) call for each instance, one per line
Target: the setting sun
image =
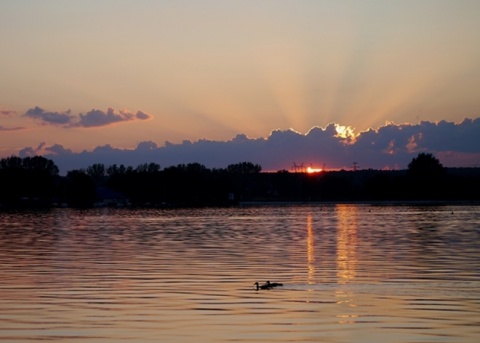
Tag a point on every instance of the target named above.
point(311, 170)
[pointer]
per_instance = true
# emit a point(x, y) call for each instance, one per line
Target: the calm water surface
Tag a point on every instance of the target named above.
point(351, 273)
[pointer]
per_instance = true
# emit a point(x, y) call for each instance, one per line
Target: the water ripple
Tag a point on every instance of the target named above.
point(351, 273)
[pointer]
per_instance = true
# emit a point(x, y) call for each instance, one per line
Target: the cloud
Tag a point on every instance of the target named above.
point(142, 115)
point(3, 128)
point(43, 149)
point(99, 118)
point(59, 150)
point(7, 113)
point(52, 118)
point(391, 146)
point(93, 118)
point(30, 151)
point(146, 146)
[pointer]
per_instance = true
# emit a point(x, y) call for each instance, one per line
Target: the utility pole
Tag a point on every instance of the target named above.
point(298, 168)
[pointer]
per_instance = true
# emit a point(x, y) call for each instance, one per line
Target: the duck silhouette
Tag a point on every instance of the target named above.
point(274, 284)
point(264, 286)
point(267, 285)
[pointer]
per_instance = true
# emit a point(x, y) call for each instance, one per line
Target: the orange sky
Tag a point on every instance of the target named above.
point(212, 69)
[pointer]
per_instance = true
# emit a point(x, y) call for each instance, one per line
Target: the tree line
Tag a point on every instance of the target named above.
point(35, 182)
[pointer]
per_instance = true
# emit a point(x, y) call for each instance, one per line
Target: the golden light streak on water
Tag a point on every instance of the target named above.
point(346, 243)
point(310, 250)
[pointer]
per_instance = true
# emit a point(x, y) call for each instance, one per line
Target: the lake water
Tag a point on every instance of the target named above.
point(351, 273)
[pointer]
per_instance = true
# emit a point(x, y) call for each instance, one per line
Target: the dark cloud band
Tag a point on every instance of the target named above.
point(391, 146)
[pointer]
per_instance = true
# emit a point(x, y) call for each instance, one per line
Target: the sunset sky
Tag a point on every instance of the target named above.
point(79, 75)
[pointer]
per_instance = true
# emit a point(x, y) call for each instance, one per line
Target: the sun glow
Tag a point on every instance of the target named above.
point(345, 132)
point(311, 170)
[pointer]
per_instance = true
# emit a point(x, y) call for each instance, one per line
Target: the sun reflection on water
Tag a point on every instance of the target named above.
point(346, 261)
point(310, 251)
point(346, 243)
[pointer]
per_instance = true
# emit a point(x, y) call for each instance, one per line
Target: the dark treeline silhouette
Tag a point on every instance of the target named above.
point(27, 181)
point(35, 182)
